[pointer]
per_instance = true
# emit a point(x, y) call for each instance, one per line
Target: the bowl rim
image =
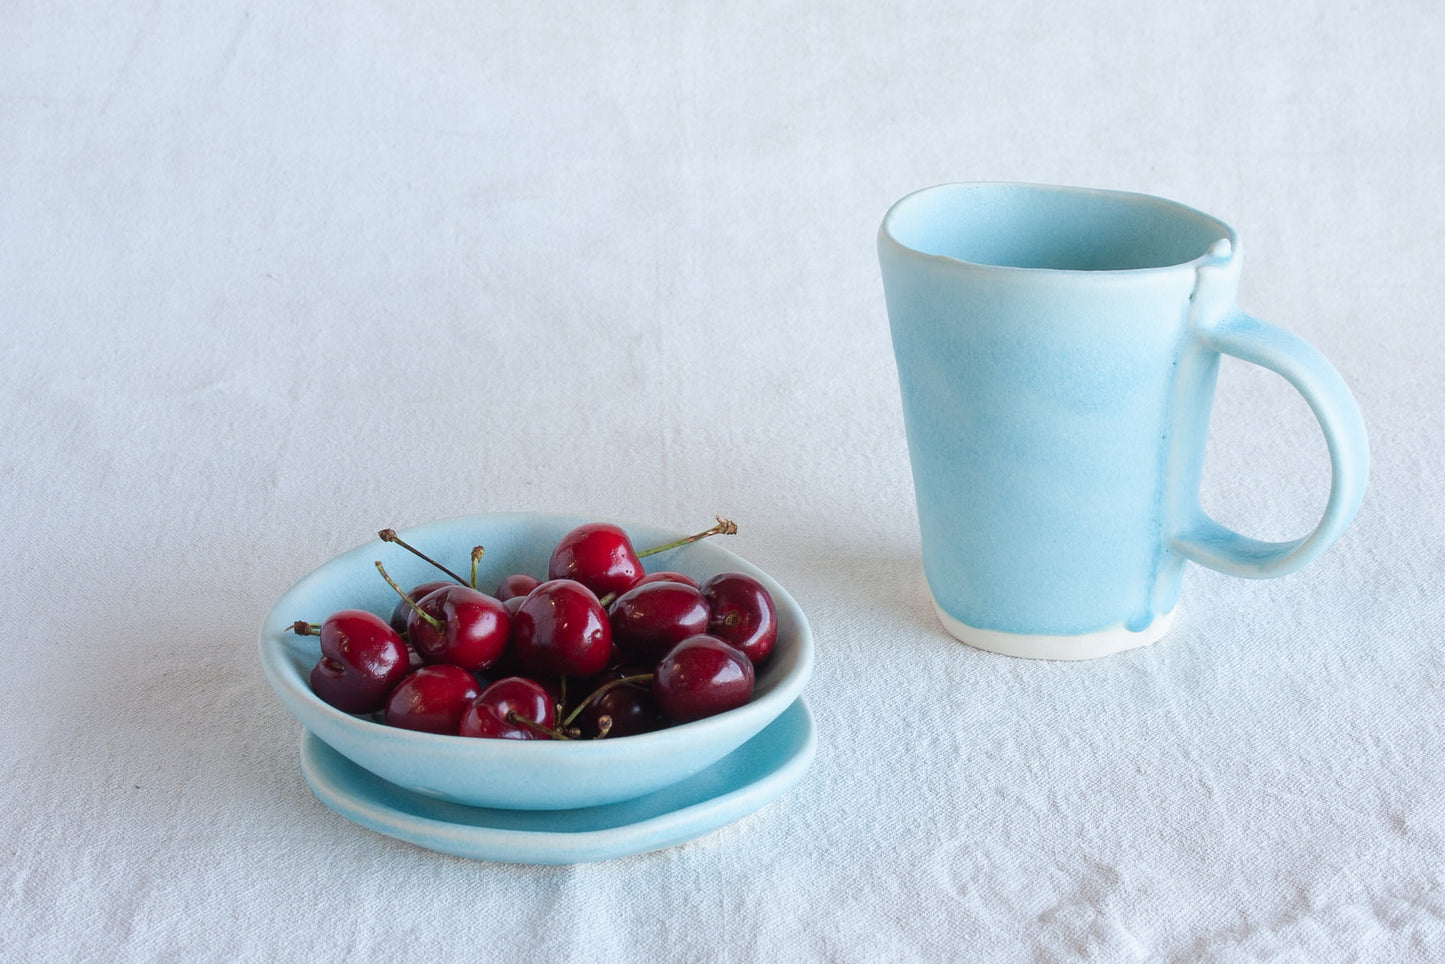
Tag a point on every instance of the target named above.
point(786, 681)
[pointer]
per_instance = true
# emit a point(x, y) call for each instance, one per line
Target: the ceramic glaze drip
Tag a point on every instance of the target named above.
point(1196, 375)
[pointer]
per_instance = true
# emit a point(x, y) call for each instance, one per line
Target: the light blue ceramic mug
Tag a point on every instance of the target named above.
point(1057, 352)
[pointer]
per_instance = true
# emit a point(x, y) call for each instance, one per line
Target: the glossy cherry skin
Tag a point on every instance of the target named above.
point(631, 707)
point(599, 555)
point(743, 614)
point(664, 575)
point(432, 699)
point(474, 633)
point(561, 630)
point(401, 611)
point(702, 676)
point(486, 716)
point(362, 660)
point(651, 618)
point(516, 586)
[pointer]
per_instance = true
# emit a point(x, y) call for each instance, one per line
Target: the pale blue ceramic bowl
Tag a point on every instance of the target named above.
point(506, 774)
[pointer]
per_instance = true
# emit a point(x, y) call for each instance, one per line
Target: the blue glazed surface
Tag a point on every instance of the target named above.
point(742, 782)
point(1057, 353)
point(507, 774)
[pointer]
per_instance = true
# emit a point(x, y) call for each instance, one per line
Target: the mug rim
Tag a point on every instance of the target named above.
point(1216, 252)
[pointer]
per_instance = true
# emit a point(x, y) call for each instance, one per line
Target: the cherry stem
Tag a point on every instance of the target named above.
point(431, 620)
point(389, 535)
point(605, 688)
point(604, 726)
point(303, 628)
point(724, 527)
point(477, 553)
point(517, 719)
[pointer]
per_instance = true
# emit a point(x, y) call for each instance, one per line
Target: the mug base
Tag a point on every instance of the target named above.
point(1040, 646)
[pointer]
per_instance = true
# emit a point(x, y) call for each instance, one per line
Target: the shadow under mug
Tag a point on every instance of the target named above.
point(1057, 354)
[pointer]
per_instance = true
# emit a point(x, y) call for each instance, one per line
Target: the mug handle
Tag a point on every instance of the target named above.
point(1207, 542)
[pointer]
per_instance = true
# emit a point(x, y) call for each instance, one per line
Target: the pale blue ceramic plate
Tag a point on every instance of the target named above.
point(742, 782)
point(510, 774)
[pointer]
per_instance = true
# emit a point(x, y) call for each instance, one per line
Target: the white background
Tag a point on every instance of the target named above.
point(275, 275)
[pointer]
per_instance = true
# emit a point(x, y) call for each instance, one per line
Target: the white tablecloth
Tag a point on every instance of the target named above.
point(275, 275)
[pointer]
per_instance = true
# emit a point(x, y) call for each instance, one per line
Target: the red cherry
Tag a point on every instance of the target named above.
point(743, 613)
point(515, 586)
point(630, 708)
point(664, 575)
point(432, 699)
point(702, 676)
point(599, 555)
point(561, 630)
point(651, 618)
point(473, 628)
point(498, 711)
point(401, 611)
point(362, 659)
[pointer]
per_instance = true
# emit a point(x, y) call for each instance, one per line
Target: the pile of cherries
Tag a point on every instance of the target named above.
point(600, 648)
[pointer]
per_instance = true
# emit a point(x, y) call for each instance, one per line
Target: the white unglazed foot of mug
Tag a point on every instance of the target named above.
point(1039, 646)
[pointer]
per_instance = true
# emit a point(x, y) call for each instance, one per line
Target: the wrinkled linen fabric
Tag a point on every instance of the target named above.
point(276, 275)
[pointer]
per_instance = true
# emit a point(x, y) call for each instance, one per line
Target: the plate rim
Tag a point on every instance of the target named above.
point(558, 847)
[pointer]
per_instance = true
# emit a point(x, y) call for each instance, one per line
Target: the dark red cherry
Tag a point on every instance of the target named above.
point(472, 631)
point(743, 613)
point(515, 586)
point(599, 555)
point(664, 575)
point(651, 618)
point(499, 710)
point(561, 630)
point(401, 610)
point(702, 676)
point(362, 659)
point(432, 699)
point(630, 707)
